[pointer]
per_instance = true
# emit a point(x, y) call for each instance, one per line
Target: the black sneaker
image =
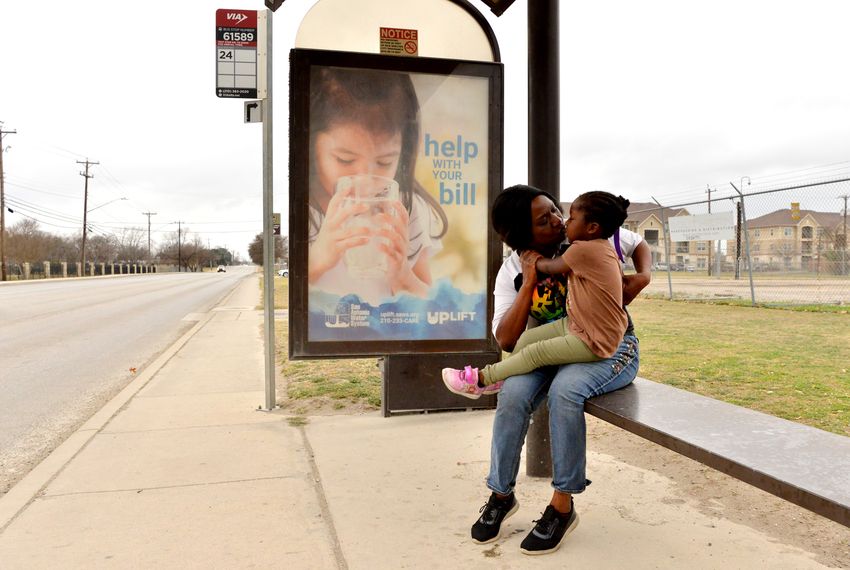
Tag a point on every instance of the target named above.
point(489, 524)
point(549, 532)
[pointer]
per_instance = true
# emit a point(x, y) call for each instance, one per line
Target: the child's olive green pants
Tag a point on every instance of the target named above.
point(540, 346)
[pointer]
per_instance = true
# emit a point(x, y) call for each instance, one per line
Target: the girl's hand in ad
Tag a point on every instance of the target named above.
point(401, 276)
point(336, 235)
point(392, 227)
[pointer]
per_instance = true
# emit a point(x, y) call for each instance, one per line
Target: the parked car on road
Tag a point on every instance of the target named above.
point(221, 269)
point(283, 272)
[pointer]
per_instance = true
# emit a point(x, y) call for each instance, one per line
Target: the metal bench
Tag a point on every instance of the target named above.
point(801, 464)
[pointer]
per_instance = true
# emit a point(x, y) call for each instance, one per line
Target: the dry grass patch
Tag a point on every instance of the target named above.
point(326, 386)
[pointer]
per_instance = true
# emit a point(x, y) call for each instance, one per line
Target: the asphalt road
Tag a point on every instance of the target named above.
point(67, 346)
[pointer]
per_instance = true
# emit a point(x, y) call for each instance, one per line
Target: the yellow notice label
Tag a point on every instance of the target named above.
point(399, 41)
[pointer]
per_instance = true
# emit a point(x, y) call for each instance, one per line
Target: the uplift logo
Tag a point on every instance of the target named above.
point(440, 317)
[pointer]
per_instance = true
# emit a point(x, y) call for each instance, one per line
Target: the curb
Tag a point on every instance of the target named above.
point(27, 489)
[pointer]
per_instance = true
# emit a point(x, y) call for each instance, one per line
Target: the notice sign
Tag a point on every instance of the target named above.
point(236, 53)
point(399, 41)
point(702, 227)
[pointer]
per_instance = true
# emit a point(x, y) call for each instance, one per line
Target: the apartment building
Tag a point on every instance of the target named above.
point(796, 240)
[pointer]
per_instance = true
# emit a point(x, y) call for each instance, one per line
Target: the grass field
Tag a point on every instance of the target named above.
point(791, 364)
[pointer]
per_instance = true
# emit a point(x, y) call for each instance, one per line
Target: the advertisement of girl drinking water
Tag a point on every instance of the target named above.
point(397, 205)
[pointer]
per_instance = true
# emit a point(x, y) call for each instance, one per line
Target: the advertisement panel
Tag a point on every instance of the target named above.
point(394, 164)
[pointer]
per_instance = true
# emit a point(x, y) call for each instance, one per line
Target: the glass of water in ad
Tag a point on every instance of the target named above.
point(379, 193)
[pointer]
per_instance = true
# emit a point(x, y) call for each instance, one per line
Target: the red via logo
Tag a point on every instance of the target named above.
point(236, 16)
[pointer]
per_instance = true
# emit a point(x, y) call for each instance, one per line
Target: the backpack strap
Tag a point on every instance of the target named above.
point(617, 246)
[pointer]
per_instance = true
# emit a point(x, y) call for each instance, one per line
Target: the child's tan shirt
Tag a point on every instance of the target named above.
point(595, 296)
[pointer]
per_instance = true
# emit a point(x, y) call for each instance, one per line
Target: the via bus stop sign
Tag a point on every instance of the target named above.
point(236, 53)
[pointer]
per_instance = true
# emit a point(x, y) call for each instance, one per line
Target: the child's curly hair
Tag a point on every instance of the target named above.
point(605, 209)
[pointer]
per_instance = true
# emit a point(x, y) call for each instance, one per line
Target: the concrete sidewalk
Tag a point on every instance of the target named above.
point(181, 470)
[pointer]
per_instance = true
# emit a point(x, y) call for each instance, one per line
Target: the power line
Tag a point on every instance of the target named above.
point(25, 187)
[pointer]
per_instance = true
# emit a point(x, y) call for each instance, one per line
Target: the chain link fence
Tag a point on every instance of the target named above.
point(787, 245)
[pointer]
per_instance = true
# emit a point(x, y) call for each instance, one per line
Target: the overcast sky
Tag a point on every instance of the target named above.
point(659, 99)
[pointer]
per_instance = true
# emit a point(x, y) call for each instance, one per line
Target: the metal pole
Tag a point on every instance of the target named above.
point(2, 215)
point(710, 243)
point(268, 237)
point(149, 214)
point(738, 243)
point(3, 207)
point(747, 244)
point(543, 96)
point(717, 260)
point(179, 248)
point(667, 244)
point(85, 175)
point(543, 168)
point(844, 243)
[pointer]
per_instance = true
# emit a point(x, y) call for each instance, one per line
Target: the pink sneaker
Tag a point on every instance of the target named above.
point(465, 383)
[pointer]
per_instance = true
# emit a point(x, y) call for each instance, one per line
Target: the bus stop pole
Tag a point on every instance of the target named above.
point(543, 168)
point(268, 232)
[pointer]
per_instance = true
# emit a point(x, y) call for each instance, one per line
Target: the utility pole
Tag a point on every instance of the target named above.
point(3, 207)
point(149, 214)
point(179, 246)
point(85, 175)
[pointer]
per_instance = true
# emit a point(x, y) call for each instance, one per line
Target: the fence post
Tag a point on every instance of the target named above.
point(46, 265)
point(26, 270)
point(747, 244)
point(667, 244)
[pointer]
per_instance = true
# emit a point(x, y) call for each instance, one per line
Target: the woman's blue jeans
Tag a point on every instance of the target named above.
point(567, 387)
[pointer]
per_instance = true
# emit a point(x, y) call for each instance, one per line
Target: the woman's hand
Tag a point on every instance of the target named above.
point(514, 321)
point(334, 238)
point(528, 259)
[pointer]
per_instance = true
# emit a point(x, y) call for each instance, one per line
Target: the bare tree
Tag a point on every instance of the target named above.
point(102, 248)
point(133, 244)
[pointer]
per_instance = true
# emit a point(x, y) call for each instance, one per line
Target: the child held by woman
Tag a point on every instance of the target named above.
point(596, 319)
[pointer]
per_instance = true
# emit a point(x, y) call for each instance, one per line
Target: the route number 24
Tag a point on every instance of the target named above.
point(225, 54)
